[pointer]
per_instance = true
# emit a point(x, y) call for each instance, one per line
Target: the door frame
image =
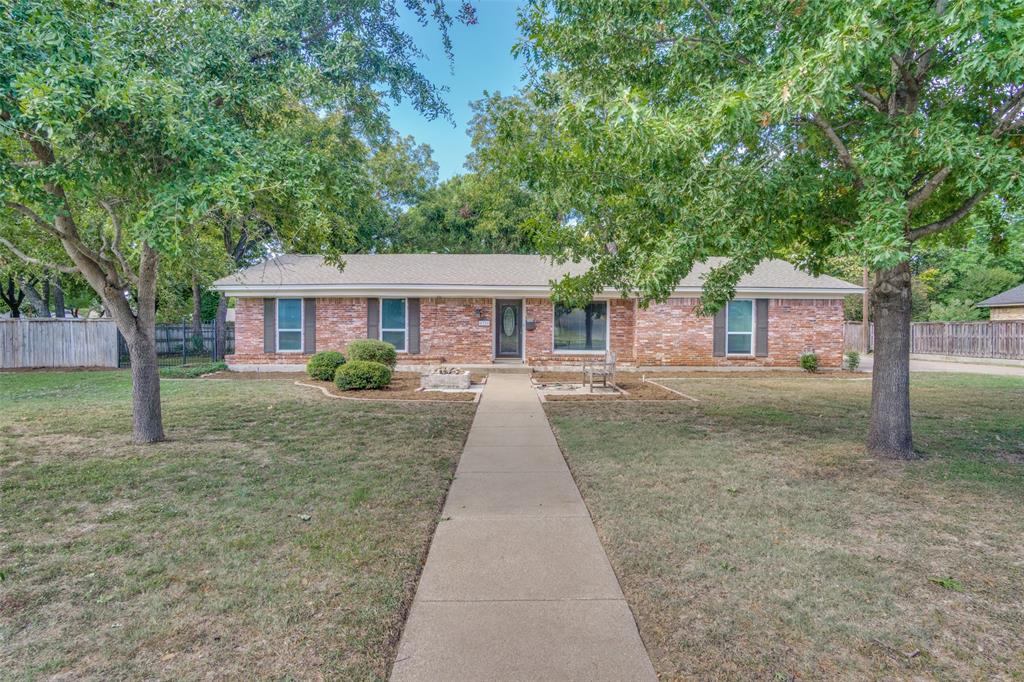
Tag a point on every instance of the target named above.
point(521, 328)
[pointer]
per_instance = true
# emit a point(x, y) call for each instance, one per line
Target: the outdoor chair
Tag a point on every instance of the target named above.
point(603, 370)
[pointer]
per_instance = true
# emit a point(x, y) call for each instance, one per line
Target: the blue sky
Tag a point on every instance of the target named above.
point(483, 61)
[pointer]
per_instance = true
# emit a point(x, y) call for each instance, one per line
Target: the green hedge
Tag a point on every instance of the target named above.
point(355, 375)
point(324, 364)
point(372, 350)
point(192, 371)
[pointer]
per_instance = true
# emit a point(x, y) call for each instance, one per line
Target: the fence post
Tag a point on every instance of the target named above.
point(213, 340)
point(184, 337)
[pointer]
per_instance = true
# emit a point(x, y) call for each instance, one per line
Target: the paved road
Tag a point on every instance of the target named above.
point(517, 585)
point(963, 367)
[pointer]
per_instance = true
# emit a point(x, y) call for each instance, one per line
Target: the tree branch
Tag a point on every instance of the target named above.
point(36, 261)
point(922, 195)
point(34, 217)
point(870, 98)
point(115, 245)
point(950, 220)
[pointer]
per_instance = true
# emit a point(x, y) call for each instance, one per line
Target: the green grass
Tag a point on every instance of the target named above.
point(755, 538)
point(192, 371)
point(277, 534)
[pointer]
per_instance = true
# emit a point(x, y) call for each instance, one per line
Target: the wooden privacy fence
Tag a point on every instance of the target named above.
point(969, 339)
point(1001, 339)
point(57, 342)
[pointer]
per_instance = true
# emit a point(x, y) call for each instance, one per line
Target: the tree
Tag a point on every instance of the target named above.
point(665, 133)
point(125, 126)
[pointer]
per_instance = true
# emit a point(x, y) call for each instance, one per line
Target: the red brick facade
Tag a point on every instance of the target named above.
point(662, 334)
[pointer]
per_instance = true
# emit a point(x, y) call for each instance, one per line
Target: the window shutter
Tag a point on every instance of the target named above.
point(412, 311)
point(761, 341)
point(373, 318)
point(309, 325)
point(269, 325)
point(718, 342)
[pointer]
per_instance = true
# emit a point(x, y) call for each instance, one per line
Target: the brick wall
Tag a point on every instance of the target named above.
point(1007, 313)
point(662, 334)
point(450, 331)
point(671, 334)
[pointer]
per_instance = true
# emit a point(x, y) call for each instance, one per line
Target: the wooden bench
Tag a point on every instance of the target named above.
point(603, 370)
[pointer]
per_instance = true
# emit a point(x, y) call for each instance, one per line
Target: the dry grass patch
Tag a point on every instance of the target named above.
point(755, 539)
point(275, 535)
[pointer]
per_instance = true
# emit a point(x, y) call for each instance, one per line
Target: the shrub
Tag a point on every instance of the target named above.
point(852, 360)
point(324, 364)
point(809, 361)
point(359, 374)
point(372, 350)
point(192, 371)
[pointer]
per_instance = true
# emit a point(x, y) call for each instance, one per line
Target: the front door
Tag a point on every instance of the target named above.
point(508, 329)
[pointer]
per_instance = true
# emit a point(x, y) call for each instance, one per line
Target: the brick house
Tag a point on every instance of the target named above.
point(1007, 306)
point(487, 308)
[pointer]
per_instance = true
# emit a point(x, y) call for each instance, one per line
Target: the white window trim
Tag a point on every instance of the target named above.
point(607, 332)
point(753, 328)
point(380, 321)
point(277, 325)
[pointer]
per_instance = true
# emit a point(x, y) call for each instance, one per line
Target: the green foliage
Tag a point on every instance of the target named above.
point(809, 361)
point(955, 311)
point(852, 360)
point(362, 374)
point(947, 583)
point(324, 364)
point(659, 134)
point(472, 213)
point(372, 350)
point(192, 371)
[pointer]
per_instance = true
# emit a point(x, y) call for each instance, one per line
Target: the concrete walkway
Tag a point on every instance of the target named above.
point(516, 584)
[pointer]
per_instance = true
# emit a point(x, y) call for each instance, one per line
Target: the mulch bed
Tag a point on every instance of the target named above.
point(401, 388)
point(634, 388)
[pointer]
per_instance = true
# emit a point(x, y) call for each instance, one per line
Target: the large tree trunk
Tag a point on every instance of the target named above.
point(34, 298)
point(58, 298)
point(222, 327)
point(890, 434)
point(12, 297)
point(197, 308)
point(147, 419)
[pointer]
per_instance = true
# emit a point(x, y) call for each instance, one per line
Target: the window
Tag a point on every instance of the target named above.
point(392, 322)
point(582, 329)
point(289, 324)
point(740, 328)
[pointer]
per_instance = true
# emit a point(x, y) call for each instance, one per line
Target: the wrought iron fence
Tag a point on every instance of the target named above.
point(177, 345)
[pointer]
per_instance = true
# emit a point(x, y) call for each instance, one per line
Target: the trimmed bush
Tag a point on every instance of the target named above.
point(324, 364)
point(372, 350)
point(356, 375)
point(809, 361)
point(852, 360)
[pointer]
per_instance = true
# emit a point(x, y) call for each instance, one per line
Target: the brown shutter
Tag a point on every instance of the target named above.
point(309, 325)
point(373, 318)
point(412, 311)
point(270, 325)
point(718, 342)
point(761, 338)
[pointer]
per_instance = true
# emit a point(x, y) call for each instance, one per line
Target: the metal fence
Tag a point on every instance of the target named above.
point(28, 342)
point(176, 345)
point(989, 339)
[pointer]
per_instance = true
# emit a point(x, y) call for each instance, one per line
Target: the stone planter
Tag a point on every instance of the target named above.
point(459, 381)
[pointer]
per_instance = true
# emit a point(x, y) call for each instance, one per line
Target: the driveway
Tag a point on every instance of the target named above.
point(866, 363)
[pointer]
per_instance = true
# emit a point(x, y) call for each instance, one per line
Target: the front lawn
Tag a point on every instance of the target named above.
point(755, 539)
point(277, 535)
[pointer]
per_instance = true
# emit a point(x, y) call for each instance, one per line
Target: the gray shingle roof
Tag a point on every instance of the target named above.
point(481, 270)
point(1014, 296)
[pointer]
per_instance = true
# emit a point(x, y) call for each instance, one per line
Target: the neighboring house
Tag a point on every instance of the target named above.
point(1008, 305)
point(478, 309)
